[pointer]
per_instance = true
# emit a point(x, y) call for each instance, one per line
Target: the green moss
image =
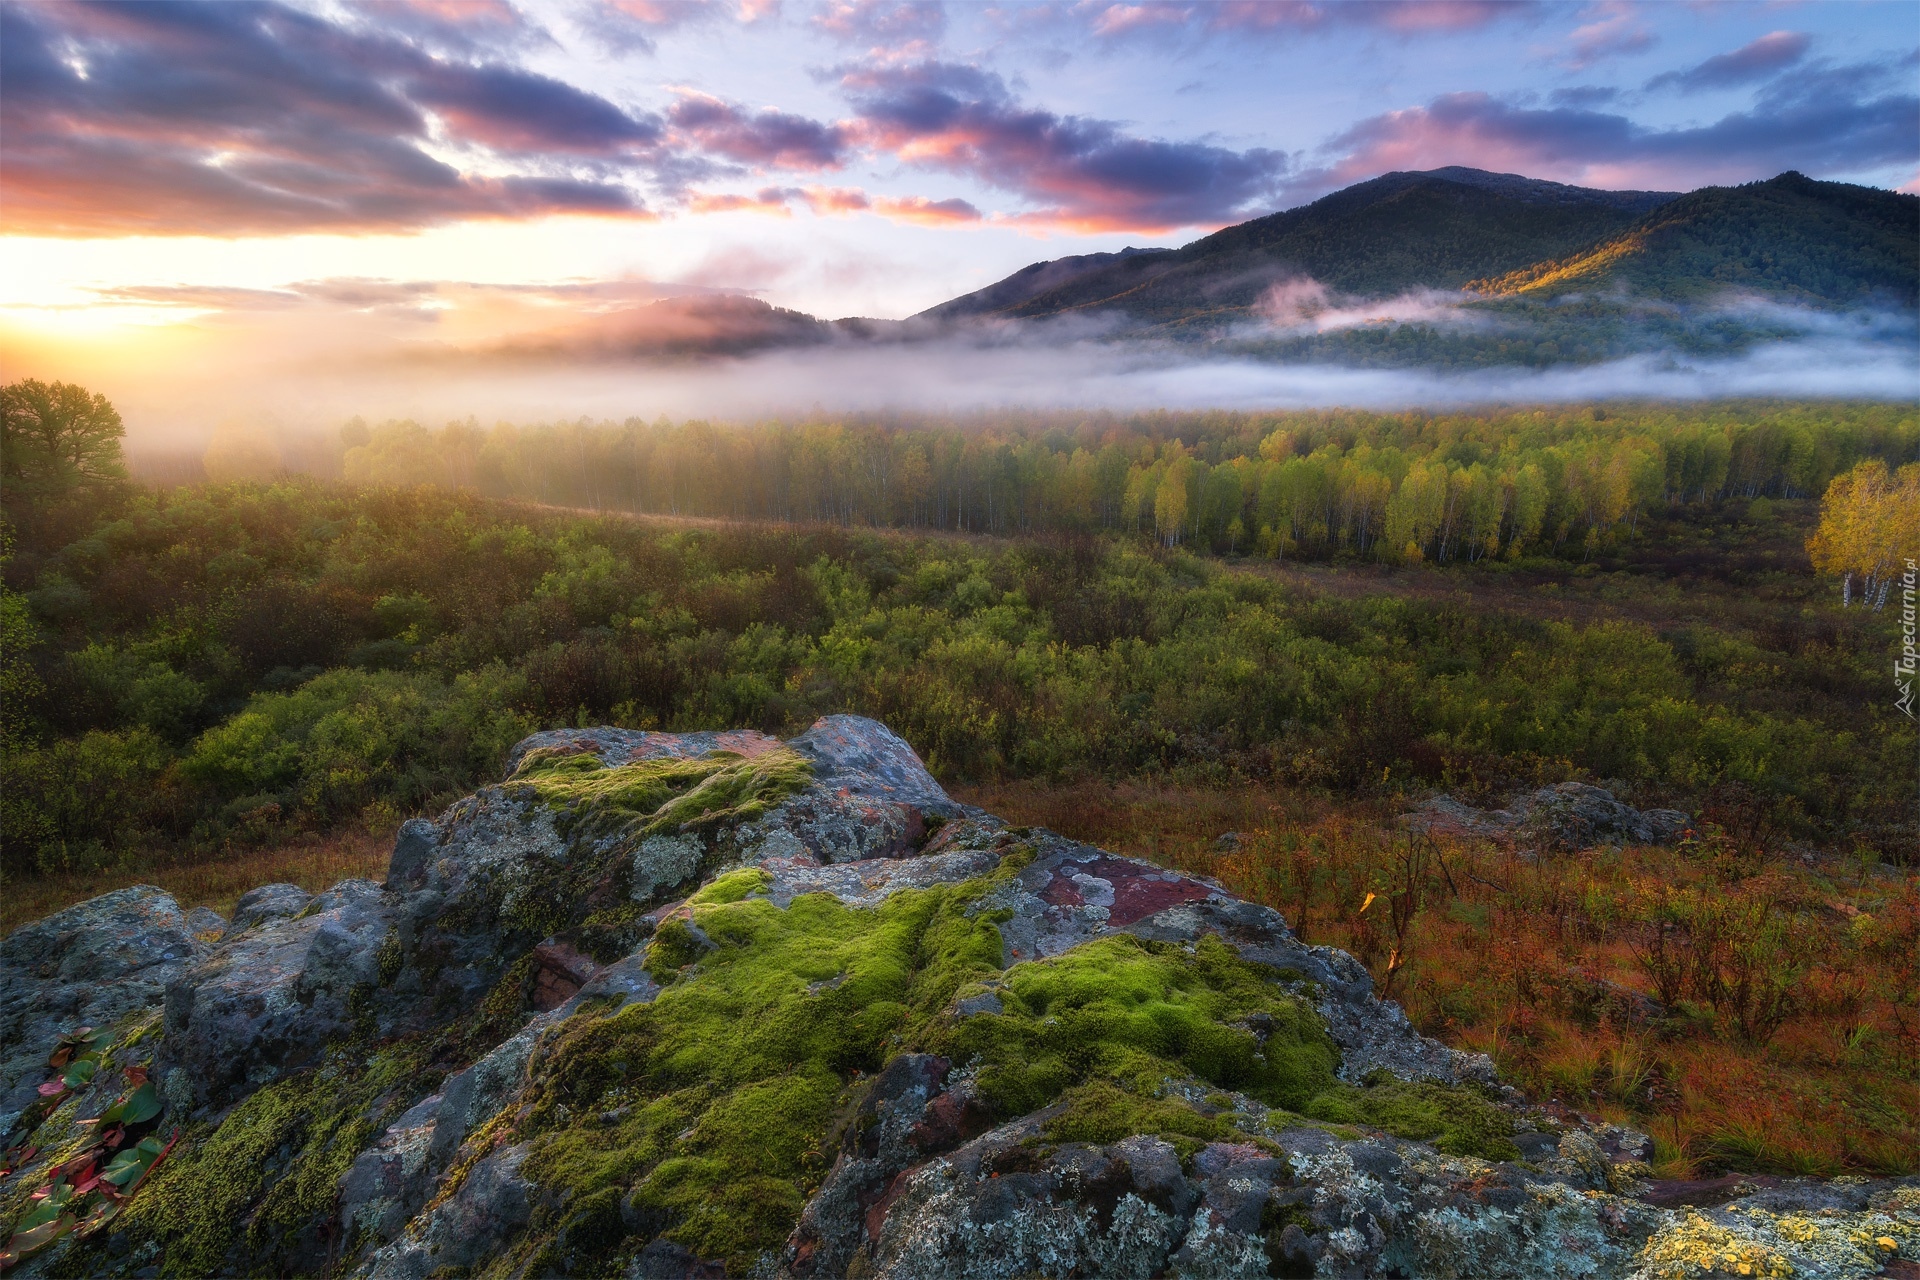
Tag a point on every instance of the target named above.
point(652, 797)
point(1137, 1014)
point(390, 957)
point(708, 1109)
point(707, 1112)
point(1102, 1112)
point(610, 934)
point(675, 946)
point(497, 1017)
point(1457, 1119)
point(256, 1192)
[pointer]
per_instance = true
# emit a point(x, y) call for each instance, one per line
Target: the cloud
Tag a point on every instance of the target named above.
point(914, 26)
point(1085, 173)
point(635, 26)
point(1583, 95)
point(1304, 305)
point(765, 139)
point(1773, 52)
point(507, 109)
point(231, 119)
point(834, 201)
point(237, 370)
point(460, 26)
point(830, 200)
point(933, 213)
point(1815, 125)
point(773, 200)
point(1612, 29)
point(1260, 17)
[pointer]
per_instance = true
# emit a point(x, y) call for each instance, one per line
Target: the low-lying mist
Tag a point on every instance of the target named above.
point(179, 385)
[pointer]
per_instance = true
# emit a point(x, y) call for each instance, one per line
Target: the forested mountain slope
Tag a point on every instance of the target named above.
point(1791, 236)
point(1397, 232)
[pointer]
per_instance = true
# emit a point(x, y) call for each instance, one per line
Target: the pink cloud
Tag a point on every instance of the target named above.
point(1273, 16)
point(770, 201)
point(229, 119)
point(766, 138)
point(835, 200)
point(1083, 172)
point(1816, 133)
point(919, 209)
point(899, 27)
point(1612, 28)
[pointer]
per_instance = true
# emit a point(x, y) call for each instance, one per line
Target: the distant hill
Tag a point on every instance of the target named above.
point(1402, 231)
point(1031, 281)
point(674, 328)
point(1790, 236)
point(1542, 273)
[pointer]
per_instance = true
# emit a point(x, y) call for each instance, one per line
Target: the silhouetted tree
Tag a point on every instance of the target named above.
point(56, 437)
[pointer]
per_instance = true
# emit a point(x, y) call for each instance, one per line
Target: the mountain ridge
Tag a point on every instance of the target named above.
point(1503, 268)
point(1803, 239)
point(1376, 238)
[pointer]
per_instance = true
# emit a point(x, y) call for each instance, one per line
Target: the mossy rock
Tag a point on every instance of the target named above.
point(663, 795)
point(708, 1111)
point(1138, 1014)
point(1459, 1119)
point(254, 1195)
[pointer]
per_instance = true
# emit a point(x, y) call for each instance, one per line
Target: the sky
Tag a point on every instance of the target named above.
point(301, 176)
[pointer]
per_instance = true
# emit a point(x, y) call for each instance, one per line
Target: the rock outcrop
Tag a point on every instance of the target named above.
point(706, 1004)
point(1570, 815)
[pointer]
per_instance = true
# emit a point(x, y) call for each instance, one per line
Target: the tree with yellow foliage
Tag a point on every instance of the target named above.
point(1870, 527)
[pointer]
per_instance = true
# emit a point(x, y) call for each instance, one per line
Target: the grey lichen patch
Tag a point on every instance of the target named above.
point(662, 861)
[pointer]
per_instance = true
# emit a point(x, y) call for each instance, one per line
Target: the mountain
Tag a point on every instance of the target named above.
point(674, 328)
point(1031, 281)
point(1791, 236)
point(1402, 231)
point(1540, 273)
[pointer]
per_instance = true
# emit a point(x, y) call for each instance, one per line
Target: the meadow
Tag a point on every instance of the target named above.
point(214, 685)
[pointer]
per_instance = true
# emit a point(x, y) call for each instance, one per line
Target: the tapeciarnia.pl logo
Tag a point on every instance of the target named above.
point(1903, 666)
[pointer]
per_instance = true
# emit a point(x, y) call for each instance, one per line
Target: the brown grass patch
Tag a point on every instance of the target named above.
point(312, 862)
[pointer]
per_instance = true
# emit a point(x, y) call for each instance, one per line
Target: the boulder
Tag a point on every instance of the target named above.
point(268, 1000)
point(100, 964)
point(268, 902)
point(1569, 816)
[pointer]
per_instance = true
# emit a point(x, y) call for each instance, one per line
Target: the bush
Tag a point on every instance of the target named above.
point(83, 803)
point(347, 738)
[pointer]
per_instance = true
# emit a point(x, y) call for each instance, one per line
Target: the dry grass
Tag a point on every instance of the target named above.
point(313, 863)
point(1788, 1039)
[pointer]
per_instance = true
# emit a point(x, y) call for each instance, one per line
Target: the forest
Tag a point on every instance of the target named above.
point(1322, 485)
point(195, 666)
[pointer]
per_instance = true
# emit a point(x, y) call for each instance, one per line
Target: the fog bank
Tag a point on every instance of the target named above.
point(176, 393)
